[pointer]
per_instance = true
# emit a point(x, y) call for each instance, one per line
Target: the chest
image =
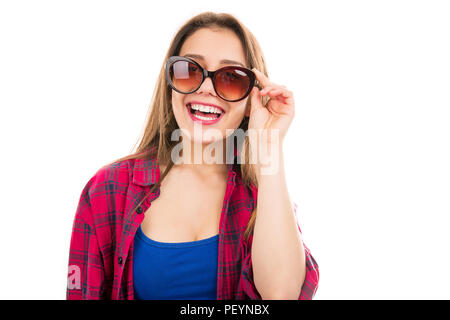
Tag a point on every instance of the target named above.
point(186, 210)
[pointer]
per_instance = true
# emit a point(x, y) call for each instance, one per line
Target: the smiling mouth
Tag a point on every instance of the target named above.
point(204, 113)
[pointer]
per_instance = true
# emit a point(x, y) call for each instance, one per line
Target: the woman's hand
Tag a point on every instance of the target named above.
point(276, 116)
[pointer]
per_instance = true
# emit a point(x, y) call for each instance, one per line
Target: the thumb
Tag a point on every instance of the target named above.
point(255, 100)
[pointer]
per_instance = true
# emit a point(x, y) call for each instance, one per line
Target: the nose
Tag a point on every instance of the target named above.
point(207, 87)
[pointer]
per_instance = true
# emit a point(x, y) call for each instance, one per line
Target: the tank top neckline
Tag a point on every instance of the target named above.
point(187, 244)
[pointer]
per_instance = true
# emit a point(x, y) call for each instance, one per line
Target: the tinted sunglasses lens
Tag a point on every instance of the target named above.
point(232, 84)
point(185, 76)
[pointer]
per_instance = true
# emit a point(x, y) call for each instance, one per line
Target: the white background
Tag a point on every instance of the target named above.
point(367, 154)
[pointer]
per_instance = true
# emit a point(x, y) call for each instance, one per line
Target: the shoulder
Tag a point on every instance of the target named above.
point(103, 192)
point(110, 176)
point(112, 184)
point(138, 169)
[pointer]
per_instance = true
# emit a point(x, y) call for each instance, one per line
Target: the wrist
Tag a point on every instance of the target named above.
point(269, 159)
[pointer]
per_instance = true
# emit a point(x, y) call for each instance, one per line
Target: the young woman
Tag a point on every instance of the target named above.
point(162, 224)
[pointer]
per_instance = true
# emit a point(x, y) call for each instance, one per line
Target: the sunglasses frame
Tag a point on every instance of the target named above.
point(212, 74)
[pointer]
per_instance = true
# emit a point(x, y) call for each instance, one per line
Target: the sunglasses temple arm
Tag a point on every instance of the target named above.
point(257, 85)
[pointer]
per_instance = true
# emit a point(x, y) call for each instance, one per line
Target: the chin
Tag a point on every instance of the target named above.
point(206, 140)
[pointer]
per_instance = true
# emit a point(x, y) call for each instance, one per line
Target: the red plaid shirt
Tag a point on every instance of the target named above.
point(101, 248)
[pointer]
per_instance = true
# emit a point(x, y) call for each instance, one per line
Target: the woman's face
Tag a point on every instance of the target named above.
point(214, 46)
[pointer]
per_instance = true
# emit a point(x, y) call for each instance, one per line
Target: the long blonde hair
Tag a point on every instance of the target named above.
point(161, 122)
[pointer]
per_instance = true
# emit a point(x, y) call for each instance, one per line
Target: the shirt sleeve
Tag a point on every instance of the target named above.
point(86, 274)
point(310, 284)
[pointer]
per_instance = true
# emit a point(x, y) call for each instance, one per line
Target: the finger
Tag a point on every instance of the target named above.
point(276, 95)
point(261, 77)
point(275, 92)
point(271, 87)
point(255, 100)
point(279, 91)
point(267, 89)
point(281, 94)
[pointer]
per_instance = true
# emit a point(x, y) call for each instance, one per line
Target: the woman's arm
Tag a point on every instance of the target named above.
point(278, 253)
point(86, 270)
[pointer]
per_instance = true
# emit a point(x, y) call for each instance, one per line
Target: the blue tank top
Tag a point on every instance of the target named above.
point(175, 271)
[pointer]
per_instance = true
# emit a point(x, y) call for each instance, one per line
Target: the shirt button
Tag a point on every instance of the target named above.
point(119, 260)
point(139, 210)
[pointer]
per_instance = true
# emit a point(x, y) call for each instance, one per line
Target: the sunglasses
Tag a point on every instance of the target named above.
point(231, 83)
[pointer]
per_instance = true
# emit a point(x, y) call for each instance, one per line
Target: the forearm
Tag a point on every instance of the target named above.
point(278, 255)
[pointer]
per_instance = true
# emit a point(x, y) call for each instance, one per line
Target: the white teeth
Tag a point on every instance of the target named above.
point(209, 109)
point(203, 118)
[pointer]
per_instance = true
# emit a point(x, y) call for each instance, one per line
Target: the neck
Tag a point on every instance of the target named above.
point(204, 158)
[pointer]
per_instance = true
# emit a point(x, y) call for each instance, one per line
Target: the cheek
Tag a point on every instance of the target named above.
point(237, 113)
point(175, 98)
point(242, 108)
point(177, 102)
point(178, 109)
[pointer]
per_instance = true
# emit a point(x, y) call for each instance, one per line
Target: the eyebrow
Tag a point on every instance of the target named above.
point(224, 61)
